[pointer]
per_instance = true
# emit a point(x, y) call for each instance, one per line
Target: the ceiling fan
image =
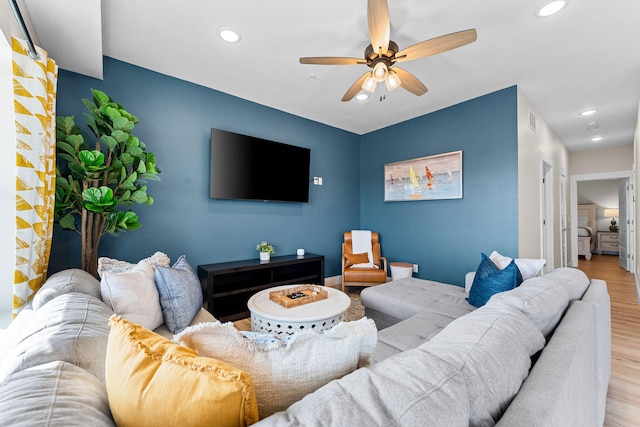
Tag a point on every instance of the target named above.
point(382, 54)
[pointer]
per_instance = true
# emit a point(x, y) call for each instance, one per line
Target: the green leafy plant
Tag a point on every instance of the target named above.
point(265, 247)
point(96, 185)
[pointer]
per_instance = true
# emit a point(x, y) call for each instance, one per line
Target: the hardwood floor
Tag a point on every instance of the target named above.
point(623, 399)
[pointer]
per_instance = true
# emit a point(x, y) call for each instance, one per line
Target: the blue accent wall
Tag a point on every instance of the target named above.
point(444, 237)
point(176, 118)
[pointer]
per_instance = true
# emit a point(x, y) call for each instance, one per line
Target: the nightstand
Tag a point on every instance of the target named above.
point(608, 241)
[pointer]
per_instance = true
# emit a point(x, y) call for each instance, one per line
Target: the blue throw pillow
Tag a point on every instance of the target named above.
point(180, 294)
point(491, 280)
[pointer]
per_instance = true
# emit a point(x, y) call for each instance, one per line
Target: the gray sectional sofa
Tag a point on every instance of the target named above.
point(538, 355)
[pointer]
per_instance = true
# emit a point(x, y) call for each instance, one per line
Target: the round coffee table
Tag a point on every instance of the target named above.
point(270, 317)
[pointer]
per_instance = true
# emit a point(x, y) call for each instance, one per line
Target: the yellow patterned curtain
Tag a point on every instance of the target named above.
point(34, 89)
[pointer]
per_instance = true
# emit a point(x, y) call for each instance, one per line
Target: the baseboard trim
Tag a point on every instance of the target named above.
point(333, 281)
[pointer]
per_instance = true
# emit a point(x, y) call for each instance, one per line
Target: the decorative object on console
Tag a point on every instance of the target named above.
point(102, 177)
point(425, 178)
point(265, 250)
point(612, 213)
point(286, 369)
point(149, 378)
point(300, 252)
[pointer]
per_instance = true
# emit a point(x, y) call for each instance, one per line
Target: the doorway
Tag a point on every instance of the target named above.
point(626, 202)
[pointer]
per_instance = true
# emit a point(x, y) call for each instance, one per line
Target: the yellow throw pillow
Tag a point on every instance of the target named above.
point(152, 381)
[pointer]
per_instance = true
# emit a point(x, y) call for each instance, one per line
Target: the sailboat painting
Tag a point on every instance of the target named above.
point(425, 178)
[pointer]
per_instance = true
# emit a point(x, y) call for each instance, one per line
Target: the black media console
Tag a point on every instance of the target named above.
point(227, 286)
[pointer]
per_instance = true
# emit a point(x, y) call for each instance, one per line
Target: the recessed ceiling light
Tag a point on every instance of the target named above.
point(362, 96)
point(551, 8)
point(597, 138)
point(228, 35)
point(588, 112)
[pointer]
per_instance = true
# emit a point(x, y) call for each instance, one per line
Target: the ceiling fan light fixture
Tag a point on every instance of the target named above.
point(370, 83)
point(393, 81)
point(380, 72)
point(551, 8)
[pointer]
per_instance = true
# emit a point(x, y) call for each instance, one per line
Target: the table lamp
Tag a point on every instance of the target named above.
point(613, 213)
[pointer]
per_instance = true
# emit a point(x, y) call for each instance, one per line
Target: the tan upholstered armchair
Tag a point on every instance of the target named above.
point(358, 276)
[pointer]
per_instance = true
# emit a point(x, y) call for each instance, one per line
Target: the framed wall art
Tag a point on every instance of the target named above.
point(425, 178)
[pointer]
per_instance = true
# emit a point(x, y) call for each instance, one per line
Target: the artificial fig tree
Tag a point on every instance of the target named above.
point(96, 184)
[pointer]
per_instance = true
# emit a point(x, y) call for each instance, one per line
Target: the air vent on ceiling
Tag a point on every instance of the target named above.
point(532, 121)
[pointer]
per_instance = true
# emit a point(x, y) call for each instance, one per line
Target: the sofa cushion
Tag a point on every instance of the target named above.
point(405, 297)
point(561, 389)
point(286, 369)
point(54, 394)
point(572, 280)
point(134, 295)
point(413, 388)
point(180, 294)
point(416, 330)
point(65, 281)
point(152, 381)
point(492, 349)
point(490, 280)
point(111, 265)
point(542, 300)
point(72, 328)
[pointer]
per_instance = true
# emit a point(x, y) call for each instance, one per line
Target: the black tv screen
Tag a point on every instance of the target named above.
point(249, 168)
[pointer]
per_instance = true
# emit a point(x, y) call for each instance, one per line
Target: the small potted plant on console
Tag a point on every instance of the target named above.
point(265, 251)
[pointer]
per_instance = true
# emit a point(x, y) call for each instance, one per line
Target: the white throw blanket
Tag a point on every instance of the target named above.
point(361, 243)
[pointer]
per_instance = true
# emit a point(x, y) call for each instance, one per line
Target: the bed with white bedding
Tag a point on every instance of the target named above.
point(586, 230)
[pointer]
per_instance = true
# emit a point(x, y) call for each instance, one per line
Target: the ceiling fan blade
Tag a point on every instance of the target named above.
point(332, 60)
point(437, 45)
point(410, 82)
point(355, 88)
point(379, 25)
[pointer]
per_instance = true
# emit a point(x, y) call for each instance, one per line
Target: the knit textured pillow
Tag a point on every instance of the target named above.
point(286, 369)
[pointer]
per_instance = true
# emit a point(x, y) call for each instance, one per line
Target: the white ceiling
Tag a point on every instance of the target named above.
point(587, 56)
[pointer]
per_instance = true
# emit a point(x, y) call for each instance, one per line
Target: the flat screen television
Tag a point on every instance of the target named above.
point(249, 168)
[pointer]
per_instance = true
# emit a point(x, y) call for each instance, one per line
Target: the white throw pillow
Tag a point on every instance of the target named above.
point(133, 295)
point(111, 265)
point(284, 370)
point(528, 267)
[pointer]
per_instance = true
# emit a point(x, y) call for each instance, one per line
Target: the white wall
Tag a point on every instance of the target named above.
point(7, 178)
point(604, 160)
point(636, 153)
point(533, 148)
